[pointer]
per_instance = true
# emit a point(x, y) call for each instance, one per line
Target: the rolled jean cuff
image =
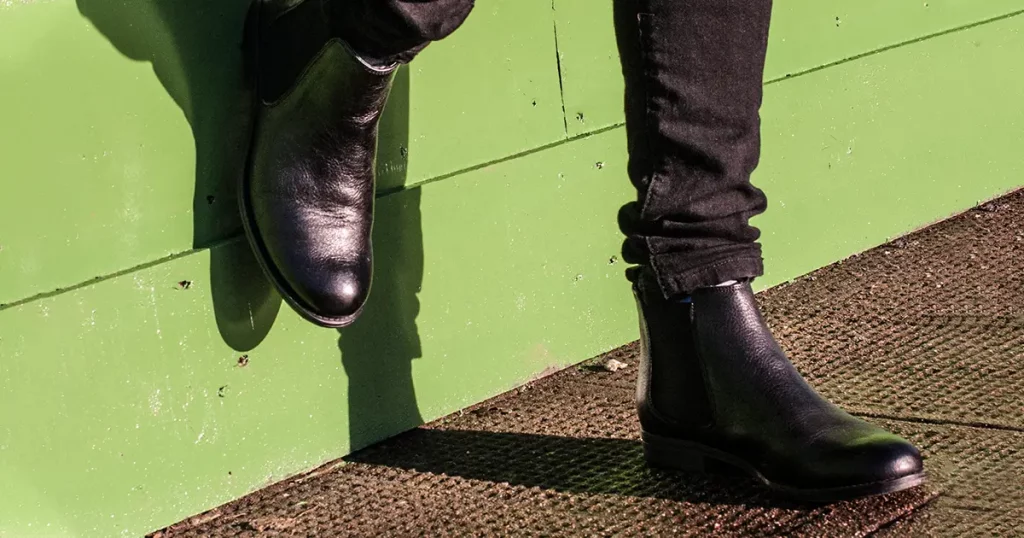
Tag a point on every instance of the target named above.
point(388, 32)
point(677, 276)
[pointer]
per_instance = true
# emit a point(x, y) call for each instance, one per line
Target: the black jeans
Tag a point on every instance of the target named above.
point(693, 71)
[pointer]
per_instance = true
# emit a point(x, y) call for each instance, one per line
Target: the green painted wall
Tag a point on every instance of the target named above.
point(128, 116)
point(122, 404)
point(806, 35)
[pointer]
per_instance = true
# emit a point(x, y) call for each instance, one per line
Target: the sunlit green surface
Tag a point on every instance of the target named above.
point(806, 34)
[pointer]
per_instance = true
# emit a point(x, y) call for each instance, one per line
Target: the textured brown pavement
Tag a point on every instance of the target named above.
point(924, 335)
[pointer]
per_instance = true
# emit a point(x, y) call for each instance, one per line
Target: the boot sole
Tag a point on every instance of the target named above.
point(675, 454)
point(250, 46)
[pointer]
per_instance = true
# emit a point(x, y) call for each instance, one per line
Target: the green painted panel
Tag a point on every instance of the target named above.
point(99, 163)
point(488, 91)
point(123, 408)
point(587, 53)
point(805, 34)
point(126, 123)
point(873, 148)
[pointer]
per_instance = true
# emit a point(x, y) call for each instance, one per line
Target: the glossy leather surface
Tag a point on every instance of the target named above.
point(307, 200)
point(713, 374)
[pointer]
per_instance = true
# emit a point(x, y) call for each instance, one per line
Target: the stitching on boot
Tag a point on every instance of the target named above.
point(710, 397)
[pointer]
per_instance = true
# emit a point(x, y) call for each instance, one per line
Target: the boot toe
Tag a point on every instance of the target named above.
point(335, 293)
point(875, 460)
point(895, 459)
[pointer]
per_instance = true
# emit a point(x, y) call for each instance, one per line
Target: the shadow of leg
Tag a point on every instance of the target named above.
point(218, 103)
point(377, 350)
point(195, 49)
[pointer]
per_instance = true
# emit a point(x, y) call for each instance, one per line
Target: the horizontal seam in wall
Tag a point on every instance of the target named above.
point(380, 194)
point(887, 48)
point(388, 192)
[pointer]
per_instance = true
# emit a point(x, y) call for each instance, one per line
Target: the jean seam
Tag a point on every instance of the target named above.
point(648, 75)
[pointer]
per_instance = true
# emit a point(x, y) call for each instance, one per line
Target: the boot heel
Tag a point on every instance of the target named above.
point(670, 457)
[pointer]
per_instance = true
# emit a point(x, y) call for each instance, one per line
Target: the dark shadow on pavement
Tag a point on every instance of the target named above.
point(573, 465)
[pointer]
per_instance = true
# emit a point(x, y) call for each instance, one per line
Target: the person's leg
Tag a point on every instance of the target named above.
point(390, 31)
point(693, 91)
point(714, 386)
point(323, 71)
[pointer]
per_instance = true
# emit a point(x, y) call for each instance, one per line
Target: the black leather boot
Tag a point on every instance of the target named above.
point(307, 195)
point(715, 388)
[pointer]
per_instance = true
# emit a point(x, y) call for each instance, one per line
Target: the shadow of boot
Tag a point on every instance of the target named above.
point(245, 304)
point(377, 350)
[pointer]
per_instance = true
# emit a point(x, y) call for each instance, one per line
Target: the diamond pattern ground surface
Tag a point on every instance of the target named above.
point(924, 335)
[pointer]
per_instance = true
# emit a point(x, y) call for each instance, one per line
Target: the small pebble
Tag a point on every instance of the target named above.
point(615, 365)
